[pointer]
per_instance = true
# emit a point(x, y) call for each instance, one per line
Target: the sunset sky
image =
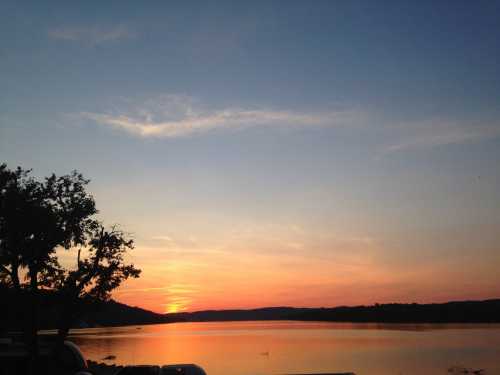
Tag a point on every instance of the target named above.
point(271, 153)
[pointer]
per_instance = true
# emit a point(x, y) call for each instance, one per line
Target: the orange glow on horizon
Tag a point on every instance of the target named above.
point(344, 272)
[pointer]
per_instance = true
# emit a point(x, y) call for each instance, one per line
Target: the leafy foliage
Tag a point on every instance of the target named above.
point(39, 219)
point(101, 270)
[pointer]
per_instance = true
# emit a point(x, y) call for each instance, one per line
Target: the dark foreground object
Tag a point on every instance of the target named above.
point(14, 359)
point(69, 360)
point(182, 369)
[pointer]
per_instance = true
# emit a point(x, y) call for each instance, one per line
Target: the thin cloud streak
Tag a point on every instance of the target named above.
point(175, 116)
point(92, 35)
point(162, 238)
point(442, 134)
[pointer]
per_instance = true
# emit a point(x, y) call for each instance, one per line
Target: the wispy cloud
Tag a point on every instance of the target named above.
point(172, 116)
point(177, 116)
point(440, 133)
point(92, 35)
point(162, 238)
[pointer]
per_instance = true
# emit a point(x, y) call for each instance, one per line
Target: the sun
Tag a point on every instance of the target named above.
point(175, 307)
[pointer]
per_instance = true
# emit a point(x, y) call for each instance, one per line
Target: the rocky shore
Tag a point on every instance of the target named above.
point(100, 368)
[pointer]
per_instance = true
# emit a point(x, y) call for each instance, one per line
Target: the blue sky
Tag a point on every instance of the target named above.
point(363, 133)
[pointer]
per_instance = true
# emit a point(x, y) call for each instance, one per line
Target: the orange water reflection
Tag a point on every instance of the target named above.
point(294, 347)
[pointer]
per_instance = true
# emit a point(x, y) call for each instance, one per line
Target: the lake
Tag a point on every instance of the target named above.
point(284, 347)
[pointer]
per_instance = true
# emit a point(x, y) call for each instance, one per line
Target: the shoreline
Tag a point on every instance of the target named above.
point(101, 368)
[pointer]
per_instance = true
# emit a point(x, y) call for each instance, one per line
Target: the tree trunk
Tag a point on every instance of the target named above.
point(66, 321)
point(14, 275)
point(32, 329)
point(70, 301)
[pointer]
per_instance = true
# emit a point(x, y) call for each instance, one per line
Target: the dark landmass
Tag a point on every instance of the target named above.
point(112, 313)
point(487, 311)
point(15, 311)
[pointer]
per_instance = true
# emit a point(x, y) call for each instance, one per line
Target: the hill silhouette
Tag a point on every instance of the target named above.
point(112, 313)
point(487, 311)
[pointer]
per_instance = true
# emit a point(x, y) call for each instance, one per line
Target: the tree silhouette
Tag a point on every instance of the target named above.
point(40, 218)
point(100, 268)
point(37, 218)
point(19, 199)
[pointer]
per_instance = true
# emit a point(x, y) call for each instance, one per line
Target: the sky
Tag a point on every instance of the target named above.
point(270, 153)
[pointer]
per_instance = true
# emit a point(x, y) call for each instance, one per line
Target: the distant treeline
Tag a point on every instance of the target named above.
point(111, 313)
point(451, 312)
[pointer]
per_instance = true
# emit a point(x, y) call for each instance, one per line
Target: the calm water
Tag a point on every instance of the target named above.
point(293, 347)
